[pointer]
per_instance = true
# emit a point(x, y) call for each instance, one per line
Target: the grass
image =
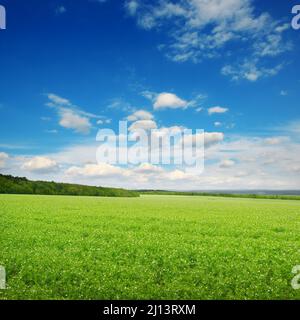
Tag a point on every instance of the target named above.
point(152, 247)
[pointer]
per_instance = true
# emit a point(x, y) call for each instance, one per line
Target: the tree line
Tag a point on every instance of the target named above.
point(219, 194)
point(18, 185)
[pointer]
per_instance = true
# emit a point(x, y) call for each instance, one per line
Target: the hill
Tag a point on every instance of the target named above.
point(17, 185)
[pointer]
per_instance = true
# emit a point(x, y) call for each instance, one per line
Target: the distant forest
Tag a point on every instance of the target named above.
point(16, 185)
point(220, 194)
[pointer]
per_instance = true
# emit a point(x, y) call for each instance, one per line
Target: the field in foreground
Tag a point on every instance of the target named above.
point(152, 247)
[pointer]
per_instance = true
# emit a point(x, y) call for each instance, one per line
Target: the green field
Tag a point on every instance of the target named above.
point(152, 247)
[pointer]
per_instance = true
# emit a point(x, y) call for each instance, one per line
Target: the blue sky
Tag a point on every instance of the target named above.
point(229, 67)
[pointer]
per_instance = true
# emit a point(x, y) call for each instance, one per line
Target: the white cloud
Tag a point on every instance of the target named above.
point(166, 100)
point(143, 124)
point(70, 120)
point(171, 130)
point(200, 109)
point(239, 162)
point(57, 100)
point(283, 27)
point(3, 158)
point(201, 29)
point(148, 168)
point(140, 115)
point(250, 70)
point(272, 46)
point(177, 175)
point(210, 138)
point(71, 116)
point(169, 100)
point(40, 165)
point(150, 95)
point(217, 109)
point(104, 121)
point(292, 127)
point(218, 124)
point(132, 7)
point(97, 170)
point(276, 140)
point(227, 163)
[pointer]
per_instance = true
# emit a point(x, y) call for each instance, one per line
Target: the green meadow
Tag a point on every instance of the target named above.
point(152, 247)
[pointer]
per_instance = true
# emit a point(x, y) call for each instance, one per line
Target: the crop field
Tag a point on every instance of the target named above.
point(152, 247)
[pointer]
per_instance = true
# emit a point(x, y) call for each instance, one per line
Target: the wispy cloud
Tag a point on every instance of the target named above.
point(132, 7)
point(251, 70)
point(60, 10)
point(201, 29)
point(283, 93)
point(293, 127)
point(70, 115)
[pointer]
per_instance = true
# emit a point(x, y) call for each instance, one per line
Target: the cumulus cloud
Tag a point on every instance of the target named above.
point(40, 165)
point(148, 168)
point(166, 100)
point(239, 162)
point(169, 100)
point(177, 175)
point(143, 124)
point(209, 138)
point(214, 110)
point(140, 115)
point(70, 120)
